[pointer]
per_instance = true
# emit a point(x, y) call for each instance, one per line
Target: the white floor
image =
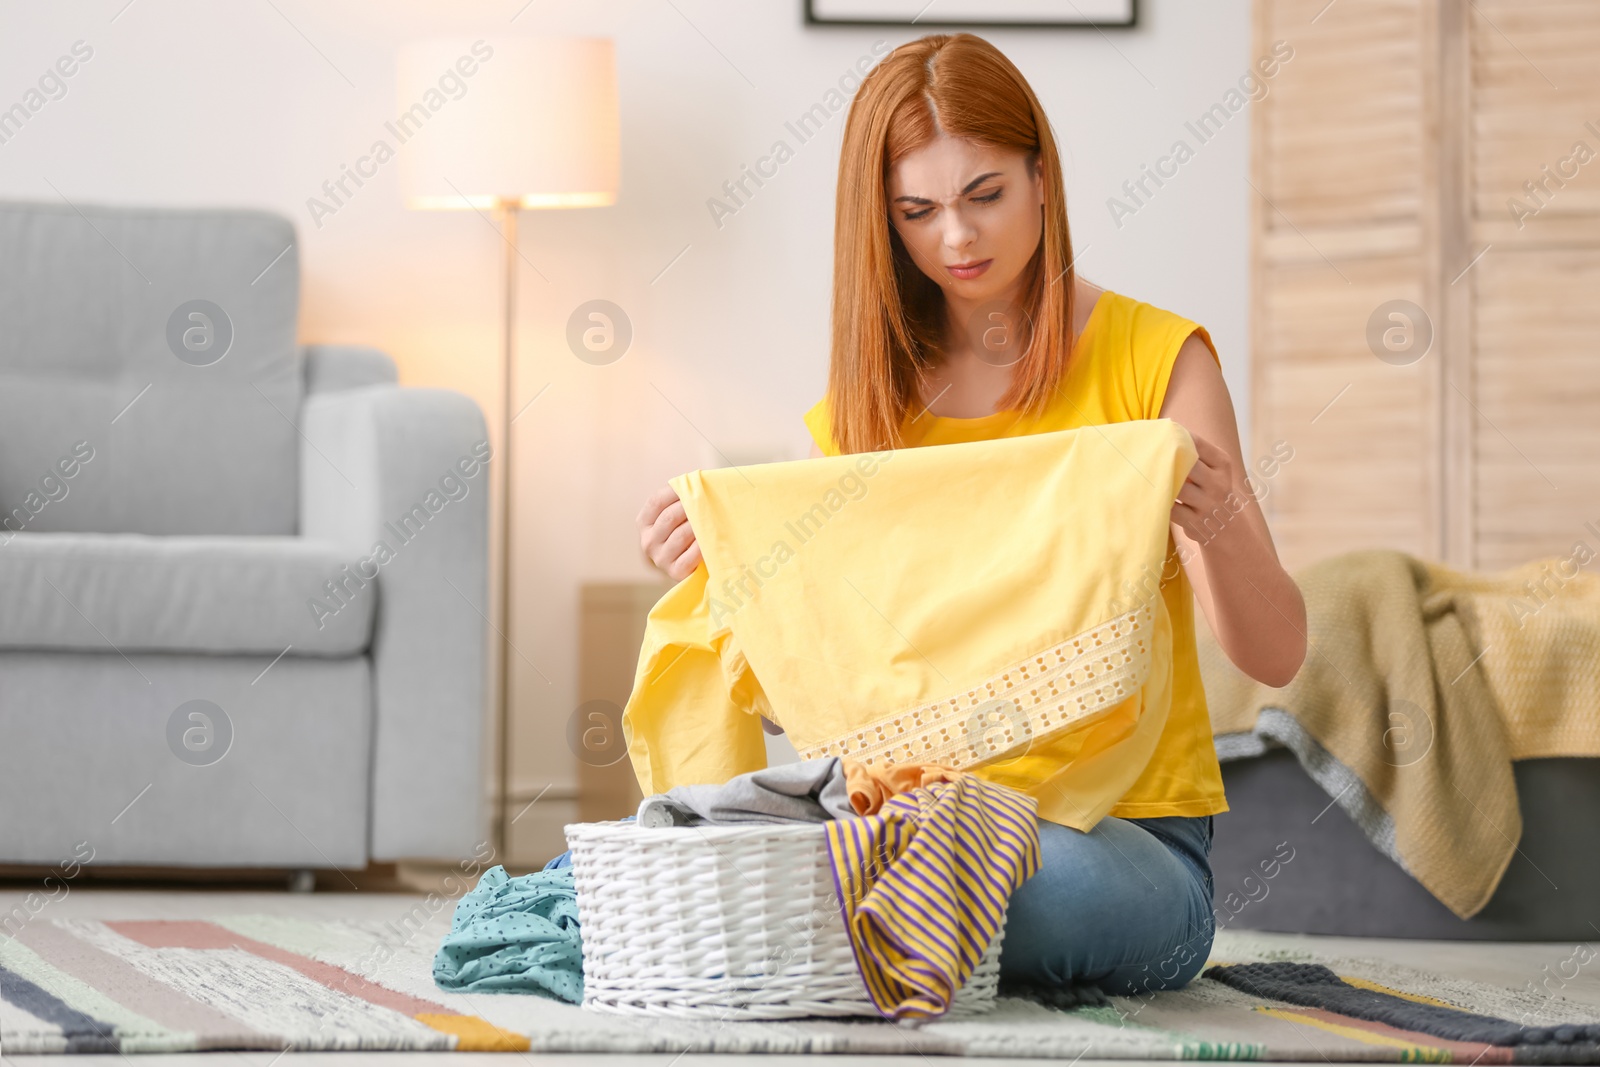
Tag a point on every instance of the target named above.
point(1511, 965)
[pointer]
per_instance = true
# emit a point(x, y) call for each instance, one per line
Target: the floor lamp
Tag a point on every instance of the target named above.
point(495, 126)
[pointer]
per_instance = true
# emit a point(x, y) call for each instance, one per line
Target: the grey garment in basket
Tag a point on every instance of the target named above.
point(808, 791)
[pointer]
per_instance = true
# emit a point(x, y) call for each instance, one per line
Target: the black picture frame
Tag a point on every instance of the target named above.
point(813, 19)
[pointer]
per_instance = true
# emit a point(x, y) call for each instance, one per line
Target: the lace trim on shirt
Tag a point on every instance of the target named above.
point(1032, 699)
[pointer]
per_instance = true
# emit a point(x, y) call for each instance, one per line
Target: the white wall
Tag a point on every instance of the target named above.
point(257, 102)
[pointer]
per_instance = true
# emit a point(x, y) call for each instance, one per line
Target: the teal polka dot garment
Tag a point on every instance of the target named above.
point(515, 935)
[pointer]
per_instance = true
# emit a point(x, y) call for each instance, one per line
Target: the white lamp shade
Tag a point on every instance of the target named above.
point(530, 120)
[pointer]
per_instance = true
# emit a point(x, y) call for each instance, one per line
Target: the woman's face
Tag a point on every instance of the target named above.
point(958, 204)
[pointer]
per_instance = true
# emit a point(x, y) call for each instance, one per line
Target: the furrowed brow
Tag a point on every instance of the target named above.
point(973, 184)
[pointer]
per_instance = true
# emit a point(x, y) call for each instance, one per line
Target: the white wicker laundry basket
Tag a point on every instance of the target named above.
point(722, 922)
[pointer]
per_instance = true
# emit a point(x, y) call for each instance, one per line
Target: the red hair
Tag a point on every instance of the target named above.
point(886, 312)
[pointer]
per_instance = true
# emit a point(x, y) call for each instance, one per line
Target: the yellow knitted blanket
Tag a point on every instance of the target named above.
point(1425, 683)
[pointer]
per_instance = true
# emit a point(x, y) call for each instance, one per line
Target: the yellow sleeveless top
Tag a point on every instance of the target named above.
point(1118, 372)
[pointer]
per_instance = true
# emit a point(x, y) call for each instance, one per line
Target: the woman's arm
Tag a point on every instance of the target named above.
point(1254, 607)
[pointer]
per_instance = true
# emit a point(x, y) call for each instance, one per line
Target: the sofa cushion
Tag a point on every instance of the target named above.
point(102, 764)
point(132, 592)
point(152, 353)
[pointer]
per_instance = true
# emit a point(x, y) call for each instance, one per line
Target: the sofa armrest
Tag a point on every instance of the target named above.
point(333, 367)
point(399, 477)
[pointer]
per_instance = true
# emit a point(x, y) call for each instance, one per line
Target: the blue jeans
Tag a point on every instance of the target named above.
point(1126, 907)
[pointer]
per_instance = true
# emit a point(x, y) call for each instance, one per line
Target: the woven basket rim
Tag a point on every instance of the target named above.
point(616, 828)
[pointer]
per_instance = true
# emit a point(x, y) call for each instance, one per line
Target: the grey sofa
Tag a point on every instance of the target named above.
point(243, 584)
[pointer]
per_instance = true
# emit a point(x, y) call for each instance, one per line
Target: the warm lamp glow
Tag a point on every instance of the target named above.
point(486, 122)
point(532, 200)
point(507, 124)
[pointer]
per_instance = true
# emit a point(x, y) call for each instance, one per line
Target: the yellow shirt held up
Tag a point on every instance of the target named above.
point(994, 605)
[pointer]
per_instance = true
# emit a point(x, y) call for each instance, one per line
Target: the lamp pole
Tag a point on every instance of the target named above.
point(508, 209)
point(561, 157)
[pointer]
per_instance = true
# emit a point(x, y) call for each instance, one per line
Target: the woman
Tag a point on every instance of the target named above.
point(958, 316)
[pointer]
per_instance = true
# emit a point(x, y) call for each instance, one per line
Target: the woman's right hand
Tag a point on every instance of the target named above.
point(665, 535)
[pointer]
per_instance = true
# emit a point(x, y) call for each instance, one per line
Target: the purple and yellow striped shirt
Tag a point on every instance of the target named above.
point(923, 886)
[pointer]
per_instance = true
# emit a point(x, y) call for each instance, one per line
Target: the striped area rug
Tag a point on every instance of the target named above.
point(257, 981)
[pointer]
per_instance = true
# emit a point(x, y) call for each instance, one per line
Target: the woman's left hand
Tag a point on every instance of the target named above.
point(1207, 493)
